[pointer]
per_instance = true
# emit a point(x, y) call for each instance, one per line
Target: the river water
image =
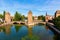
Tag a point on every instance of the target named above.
point(22, 32)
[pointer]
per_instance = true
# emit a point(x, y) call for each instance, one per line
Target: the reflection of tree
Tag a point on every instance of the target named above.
point(33, 37)
point(6, 29)
point(57, 37)
point(2, 29)
point(17, 27)
point(30, 36)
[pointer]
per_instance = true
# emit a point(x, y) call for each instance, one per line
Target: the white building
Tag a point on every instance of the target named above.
point(1, 20)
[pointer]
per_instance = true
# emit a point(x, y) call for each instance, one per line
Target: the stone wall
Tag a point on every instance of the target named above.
point(7, 17)
point(30, 19)
point(57, 13)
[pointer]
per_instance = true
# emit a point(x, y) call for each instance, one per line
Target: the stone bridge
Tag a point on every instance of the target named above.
point(18, 22)
point(26, 23)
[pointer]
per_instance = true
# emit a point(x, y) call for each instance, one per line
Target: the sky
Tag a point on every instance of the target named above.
point(38, 7)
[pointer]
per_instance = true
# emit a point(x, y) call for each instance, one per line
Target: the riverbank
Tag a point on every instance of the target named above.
point(4, 24)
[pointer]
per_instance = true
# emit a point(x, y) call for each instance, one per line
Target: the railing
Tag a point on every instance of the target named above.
point(52, 26)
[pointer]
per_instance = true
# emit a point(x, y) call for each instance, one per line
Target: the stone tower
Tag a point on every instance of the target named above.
point(7, 17)
point(30, 19)
point(57, 13)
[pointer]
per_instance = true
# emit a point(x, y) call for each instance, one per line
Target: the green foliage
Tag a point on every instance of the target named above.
point(33, 17)
point(17, 27)
point(18, 17)
point(4, 15)
point(1, 16)
point(56, 37)
point(22, 17)
point(41, 17)
point(2, 28)
point(56, 21)
point(30, 38)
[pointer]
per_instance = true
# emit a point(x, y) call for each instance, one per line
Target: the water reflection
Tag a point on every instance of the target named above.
point(56, 35)
point(5, 29)
point(30, 35)
point(42, 32)
point(46, 27)
point(22, 32)
point(17, 27)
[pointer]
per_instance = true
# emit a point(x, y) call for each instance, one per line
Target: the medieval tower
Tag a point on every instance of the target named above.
point(30, 19)
point(7, 17)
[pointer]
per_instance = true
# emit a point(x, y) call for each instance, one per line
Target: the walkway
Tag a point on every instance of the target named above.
point(52, 26)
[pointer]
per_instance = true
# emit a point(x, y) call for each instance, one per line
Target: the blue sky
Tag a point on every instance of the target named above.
point(38, 7)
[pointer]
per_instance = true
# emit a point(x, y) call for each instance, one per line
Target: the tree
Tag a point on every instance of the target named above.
point(41, 17)
point(22, 17)
point(17, 16)
point(4, 15)
point(1, 16)
point(33, 37)
point(56, 21)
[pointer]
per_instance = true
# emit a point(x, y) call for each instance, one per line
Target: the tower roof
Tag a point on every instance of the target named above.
point(7, 13)
point(58, 11)
point(30, 12)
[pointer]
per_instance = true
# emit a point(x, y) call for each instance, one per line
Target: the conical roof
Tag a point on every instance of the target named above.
point(30, 12)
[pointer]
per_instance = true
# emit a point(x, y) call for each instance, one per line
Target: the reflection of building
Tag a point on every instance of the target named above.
point(30, 32)
point(46, 27)
point(30, 19)
point(57, 13)
point(7, 29)
point(48, 17)
point(7, 17)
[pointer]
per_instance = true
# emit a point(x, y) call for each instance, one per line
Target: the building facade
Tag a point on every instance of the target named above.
point(48, 17)
point(57, 13)
point(35, 18)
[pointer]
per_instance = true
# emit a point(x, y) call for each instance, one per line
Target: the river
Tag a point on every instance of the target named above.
point(22, 32)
